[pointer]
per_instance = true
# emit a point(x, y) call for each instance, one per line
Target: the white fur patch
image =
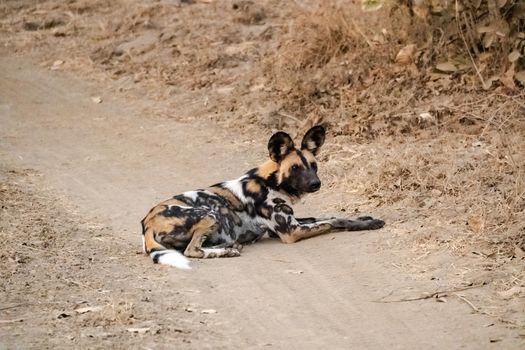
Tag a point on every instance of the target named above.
point(236, 187)
point(179, 206)
point(172, 258)
point(217, 251)
point(191, 195)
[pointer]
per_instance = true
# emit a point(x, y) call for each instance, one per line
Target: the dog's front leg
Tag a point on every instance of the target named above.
point(311, 220)
point(359, 224)
point(297, 232)
point(291, 229)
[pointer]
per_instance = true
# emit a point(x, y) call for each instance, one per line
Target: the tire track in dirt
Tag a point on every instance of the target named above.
point(115, 163)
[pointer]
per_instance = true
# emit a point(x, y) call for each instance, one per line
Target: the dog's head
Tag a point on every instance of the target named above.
point(297, 168)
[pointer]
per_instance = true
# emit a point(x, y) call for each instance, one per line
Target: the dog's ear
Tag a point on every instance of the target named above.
point(279, 146)
point(313, 139)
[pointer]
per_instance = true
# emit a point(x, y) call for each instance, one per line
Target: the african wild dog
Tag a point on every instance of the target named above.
point(216, 221)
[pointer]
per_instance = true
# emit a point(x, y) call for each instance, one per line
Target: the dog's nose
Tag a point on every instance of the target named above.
point(314, 186)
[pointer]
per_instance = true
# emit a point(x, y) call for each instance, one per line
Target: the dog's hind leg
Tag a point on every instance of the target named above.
point(206, 227)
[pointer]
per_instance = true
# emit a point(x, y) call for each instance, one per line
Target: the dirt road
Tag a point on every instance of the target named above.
point(110, 162)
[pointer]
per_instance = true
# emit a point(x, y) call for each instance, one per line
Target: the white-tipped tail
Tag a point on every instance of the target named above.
point(172, 258)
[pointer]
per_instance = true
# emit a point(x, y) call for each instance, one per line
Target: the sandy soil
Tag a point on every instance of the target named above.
point(78, 176)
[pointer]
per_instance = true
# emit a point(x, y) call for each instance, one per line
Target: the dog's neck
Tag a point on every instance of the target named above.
point(268, 172)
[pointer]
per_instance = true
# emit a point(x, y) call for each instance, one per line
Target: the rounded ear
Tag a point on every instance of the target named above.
point(313, 139)
point(279, 146)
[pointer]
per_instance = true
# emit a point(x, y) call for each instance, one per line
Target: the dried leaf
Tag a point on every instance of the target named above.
point(514, 55)
point(209, 311)
point(438, 6)
point(96, 99)
point(507, 78)
point(83, 310)
point(475, 223)
point(488, 82)
point(421, 9)
point(487, 29)
point(448, 67)
point(519, 253)
point(488, 40)
point(406, 54)
point(138, 330)
point(501, 3)
point(485, 56)
point(371, 5)
point(56, 65)
point(426, 118)
point(520, 76)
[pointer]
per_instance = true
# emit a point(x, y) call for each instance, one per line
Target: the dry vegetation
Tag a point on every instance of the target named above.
point(426, 110)
point(462, 150)
point(64, 286)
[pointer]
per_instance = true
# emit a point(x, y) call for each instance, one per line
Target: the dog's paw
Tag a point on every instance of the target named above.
point(232, 252)
point(375, 224)
point(237, 246)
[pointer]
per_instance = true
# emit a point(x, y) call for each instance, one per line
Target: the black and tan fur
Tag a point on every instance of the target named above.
point(218, 220)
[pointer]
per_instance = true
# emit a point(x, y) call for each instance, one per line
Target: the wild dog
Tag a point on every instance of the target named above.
point(216, 221)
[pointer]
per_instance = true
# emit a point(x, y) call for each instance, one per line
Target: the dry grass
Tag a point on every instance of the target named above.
point(455, 201)
point(316, 59)
point(315, 38)
point(460, 156)
point(466, 170)
point(63, 288)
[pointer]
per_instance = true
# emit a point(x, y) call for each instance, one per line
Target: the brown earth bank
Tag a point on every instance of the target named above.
point(176, 89)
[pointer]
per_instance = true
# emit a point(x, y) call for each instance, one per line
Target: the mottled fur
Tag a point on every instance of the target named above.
point(218, 220)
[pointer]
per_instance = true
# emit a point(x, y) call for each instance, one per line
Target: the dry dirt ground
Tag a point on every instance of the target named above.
point(106, 110)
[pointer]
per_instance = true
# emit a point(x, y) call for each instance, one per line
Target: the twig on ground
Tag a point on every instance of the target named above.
point(13, 306)
point(369, 43)
point(514, 99)
point(468, 302)
point(282, 114)
point(432, 295)
point(11, 321)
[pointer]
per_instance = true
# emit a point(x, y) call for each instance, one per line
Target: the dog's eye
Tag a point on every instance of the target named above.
point(295, 167)
point(314, 166)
